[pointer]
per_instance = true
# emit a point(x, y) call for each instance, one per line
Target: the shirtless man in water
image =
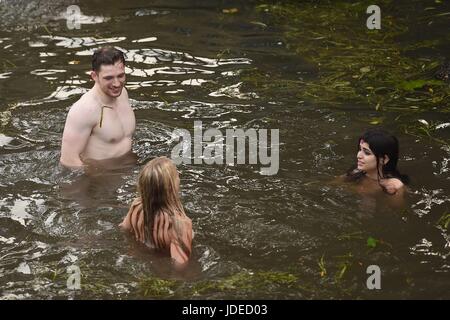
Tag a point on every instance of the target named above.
point(100, 125)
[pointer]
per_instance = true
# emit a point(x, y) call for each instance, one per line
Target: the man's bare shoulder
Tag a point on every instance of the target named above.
point(85, 111)
point(124, 97)
point(85, 105)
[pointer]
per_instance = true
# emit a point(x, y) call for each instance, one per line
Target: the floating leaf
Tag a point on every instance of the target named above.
point(342, 271)
point(372, 242)
point(350, 236)
point(444, 221)
point(443, 125)
point(417, 84)
point(323, 270)
point(259, 24)
point(442, 14)
point(413, 99)
point(341, 84)
point(376, 121)
point(364, 69)
point(231, 10)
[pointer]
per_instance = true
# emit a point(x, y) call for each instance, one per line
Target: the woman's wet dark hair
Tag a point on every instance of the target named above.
point(381, 143)
point(108, 56)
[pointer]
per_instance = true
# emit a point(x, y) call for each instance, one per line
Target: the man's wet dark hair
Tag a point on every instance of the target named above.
point(381, 143)
point(108, 56)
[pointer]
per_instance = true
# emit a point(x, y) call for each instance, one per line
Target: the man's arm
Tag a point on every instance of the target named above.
point(79, 124)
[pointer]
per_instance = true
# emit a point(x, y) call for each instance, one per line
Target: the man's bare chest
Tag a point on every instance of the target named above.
point(114, 124)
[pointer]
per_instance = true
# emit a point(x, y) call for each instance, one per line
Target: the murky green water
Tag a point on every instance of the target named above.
point(292, 235)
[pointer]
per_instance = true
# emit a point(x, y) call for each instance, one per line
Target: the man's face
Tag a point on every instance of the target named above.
point(110, 78)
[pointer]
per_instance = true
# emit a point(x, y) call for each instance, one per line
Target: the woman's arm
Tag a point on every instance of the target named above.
point(180, 252)
point(392, 186)
point(134, 221)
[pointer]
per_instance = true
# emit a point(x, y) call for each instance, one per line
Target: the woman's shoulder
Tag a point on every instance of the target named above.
point(136, 202)
point(396, 182)
point(186, 224)
point(135, 208)
point(392, 185)
point(351, 176)
point(184, 219)
point(133, 216)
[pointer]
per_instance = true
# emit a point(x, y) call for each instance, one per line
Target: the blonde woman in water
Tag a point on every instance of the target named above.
point(156, 217)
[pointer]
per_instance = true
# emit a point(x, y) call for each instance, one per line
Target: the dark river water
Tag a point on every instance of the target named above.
point(292, 235)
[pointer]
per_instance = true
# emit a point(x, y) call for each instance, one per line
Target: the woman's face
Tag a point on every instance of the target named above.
point(366, 159)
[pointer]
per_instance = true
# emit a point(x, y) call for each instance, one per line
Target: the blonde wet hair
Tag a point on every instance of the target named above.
point(159, 192)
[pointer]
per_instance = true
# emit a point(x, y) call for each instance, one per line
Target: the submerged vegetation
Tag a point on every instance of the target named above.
point(248, 282)
point(344, 65)
point(425, 129)
point(157, 288)
point(355, 66)
point(444, 220)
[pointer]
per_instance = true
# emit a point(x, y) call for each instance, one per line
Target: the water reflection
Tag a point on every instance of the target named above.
point(190, 69)
point(99, 182)
point(76, 42)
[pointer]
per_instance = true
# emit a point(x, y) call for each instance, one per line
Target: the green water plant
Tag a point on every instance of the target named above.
point(444, 220)
point(248, 282)
point(157, 288)
point(354, 65)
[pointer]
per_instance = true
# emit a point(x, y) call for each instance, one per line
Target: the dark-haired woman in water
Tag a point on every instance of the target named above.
point(376, 168)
